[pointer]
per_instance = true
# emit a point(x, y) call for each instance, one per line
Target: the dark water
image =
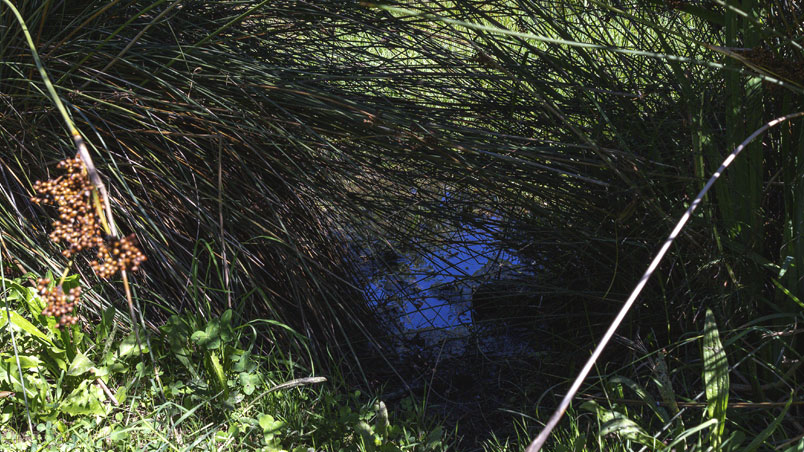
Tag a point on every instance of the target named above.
point(441, 303)
point(430, 295)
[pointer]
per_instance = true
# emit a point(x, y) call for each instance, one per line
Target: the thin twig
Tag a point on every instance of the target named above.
point(291, 384)
point(106, 390)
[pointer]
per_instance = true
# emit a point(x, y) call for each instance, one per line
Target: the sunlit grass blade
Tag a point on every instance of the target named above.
point(614, 422)
point(715, 377)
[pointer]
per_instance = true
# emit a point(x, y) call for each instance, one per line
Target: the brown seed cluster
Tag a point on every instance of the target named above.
point(78, 226)
point(121, 254)
point(59, 304)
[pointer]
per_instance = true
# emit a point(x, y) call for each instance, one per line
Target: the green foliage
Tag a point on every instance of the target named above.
point(63, 370)
point(715, 378)
point(205, 378)
point(214, 345)
point(626, 424)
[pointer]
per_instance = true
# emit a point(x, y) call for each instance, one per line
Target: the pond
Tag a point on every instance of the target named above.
point(463, 317)
point(439, 294)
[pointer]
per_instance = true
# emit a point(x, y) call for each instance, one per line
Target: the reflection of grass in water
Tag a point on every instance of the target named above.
point(433, 288)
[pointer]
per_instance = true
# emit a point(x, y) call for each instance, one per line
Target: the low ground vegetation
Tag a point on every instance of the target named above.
point(194, 385)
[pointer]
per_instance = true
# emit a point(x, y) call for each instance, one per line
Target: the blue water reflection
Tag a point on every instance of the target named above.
point(431, 287)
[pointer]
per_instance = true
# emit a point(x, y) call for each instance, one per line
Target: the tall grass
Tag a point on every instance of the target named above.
point(253, 147)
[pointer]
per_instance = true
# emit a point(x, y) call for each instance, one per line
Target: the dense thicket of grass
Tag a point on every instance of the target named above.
point(252, 147)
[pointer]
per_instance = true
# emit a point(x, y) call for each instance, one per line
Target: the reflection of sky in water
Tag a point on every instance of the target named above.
point(433, 288)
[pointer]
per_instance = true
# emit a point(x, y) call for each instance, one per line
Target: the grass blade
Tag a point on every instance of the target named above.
point(716, 377)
